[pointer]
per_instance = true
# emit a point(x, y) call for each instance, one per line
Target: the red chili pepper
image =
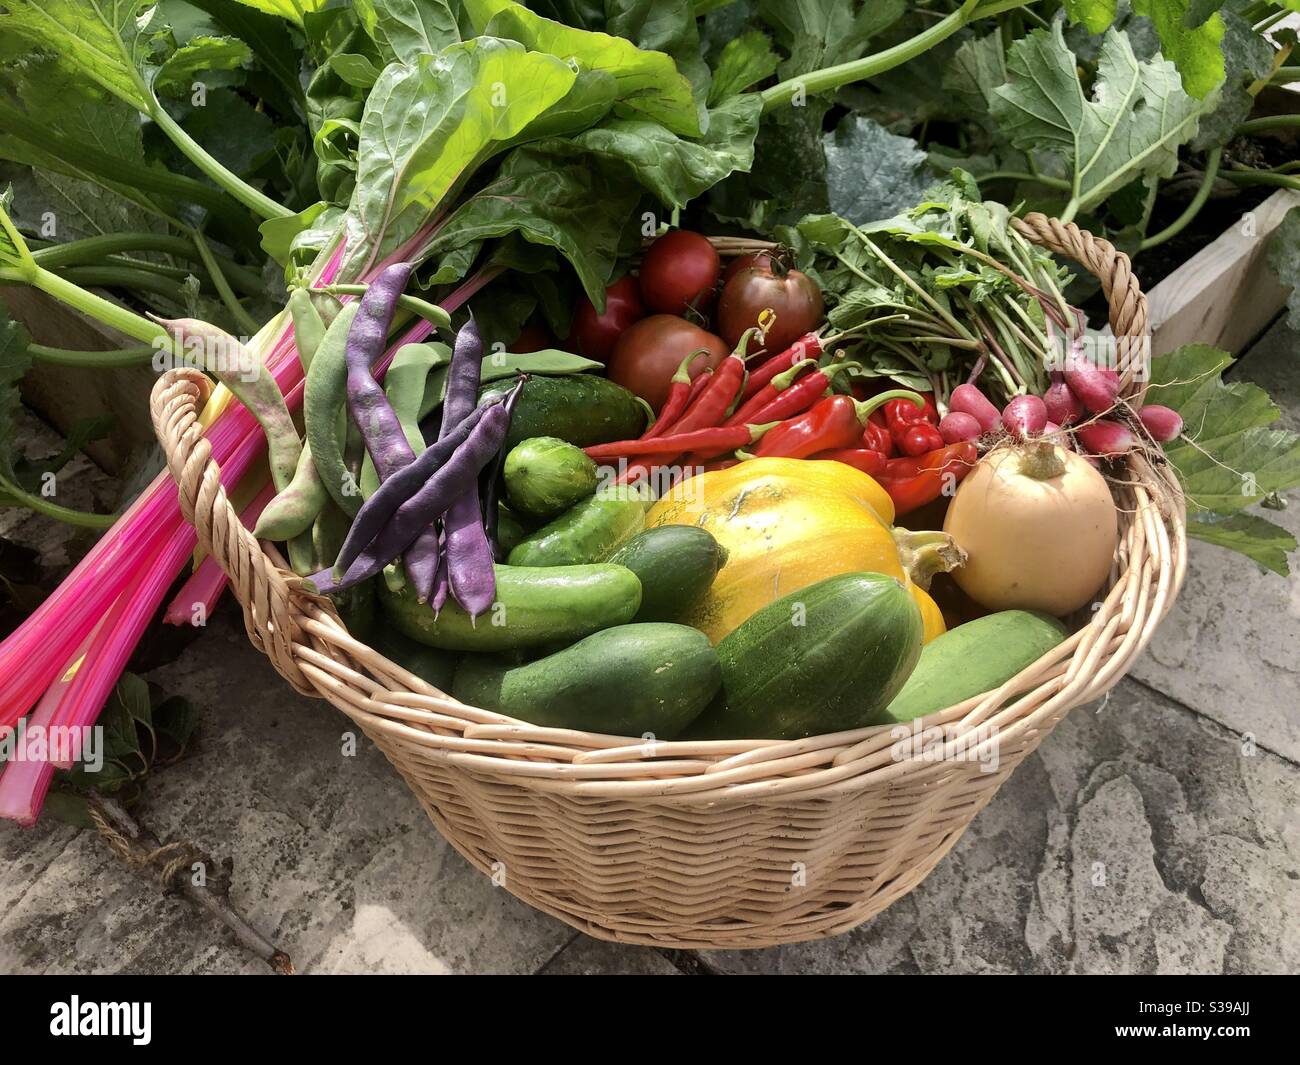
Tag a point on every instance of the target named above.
point(860, 458)
point(808, 346)
point(641, 470)
point(680, 388)
point(900, 417)
point(915, 481)
point(920, 439)
point(835, 422)
point(768, 393)
point(710, 408)
point(713, 440)
point(801, 395)
point(875, 435)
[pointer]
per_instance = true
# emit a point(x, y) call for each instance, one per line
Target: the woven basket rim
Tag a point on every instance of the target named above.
point(309, 645)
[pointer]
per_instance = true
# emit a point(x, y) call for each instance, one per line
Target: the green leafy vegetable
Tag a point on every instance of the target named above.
point(872, 173)
point(1284, 260)
point(745, 61)
point(406, 29)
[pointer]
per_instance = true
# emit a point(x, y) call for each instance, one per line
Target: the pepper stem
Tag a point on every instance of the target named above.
point(923, 554)
point(1040, 460)
point(784, 380)
point(683, 374)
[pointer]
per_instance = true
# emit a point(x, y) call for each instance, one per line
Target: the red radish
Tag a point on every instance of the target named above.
point(1096, 388)
point(957, 426)
point(1106, 437)
point(1025, 416)
point(967, 399)
point(1162, 423)
point(1063, 407)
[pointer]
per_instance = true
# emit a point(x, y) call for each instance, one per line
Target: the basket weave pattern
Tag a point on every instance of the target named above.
point(744, 843)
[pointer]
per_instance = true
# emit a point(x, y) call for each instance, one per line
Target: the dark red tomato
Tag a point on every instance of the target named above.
point(743, 262)
point(793, 295)
point(594, 335)
point(533, 337)
point(680, 270)
point(649, 352)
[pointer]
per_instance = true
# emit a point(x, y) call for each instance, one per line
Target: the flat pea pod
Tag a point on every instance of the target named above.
point(587, 532)
point(252, 383)
point(295, 507)
point(325, 418)
point(404, 385)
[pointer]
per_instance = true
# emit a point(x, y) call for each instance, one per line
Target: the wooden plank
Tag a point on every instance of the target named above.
point(64, 396)
point(1225, 294)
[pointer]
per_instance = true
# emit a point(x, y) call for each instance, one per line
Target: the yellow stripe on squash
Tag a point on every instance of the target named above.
point(789, 523)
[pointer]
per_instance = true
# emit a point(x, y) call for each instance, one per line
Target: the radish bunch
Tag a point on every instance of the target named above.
point(1075, 396)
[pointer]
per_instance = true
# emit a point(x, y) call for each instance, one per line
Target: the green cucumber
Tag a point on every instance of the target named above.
point(972, 659)
point(822, 659)
point(676, 565)
point(510, 530)
point(534, 606)
point(545, 476)
point(428, 663)
point(633, 680)
point(581, 409)
point(587, 532)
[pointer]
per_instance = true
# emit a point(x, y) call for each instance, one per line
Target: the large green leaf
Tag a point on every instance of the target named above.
point(407, 29)
point(293, 10)
point(1248, 534)
point(556, 195)
point(675, 169)
point(1227, 458)
point(199, 56)
point(822, 33)
point(427, 126)
point(1284, 260)
point(745, 61)
point(871, 173)
point(1131, 127)
point(649, 84)
point(1191, 32)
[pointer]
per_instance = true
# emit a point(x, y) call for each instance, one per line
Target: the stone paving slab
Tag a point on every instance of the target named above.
point(1230, 648)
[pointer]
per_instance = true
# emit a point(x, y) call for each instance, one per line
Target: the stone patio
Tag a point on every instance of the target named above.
point(1154, 832)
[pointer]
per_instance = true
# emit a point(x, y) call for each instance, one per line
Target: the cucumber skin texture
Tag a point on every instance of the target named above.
point(538, 606)
point(971, 659)
point(860, 640)
point(625, 681)
point(510, 530)
point(585, 533)
point(579, 408)
point(428, 663)
point(545, 476)
point(676, 565)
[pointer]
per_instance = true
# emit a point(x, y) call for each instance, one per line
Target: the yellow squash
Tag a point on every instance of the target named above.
point(788, 523)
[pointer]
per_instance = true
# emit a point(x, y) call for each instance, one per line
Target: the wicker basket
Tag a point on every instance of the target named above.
point(726, 844)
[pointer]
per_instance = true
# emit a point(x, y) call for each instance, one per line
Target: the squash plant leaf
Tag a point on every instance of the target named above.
point(871, 173)
point(1191, 33)
point(1248, 534)
point(1227, 457)
point(1131, 127)
point(1284, 260)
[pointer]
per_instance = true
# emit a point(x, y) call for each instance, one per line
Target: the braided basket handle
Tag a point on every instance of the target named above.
point(276, 602)
point(274, 599)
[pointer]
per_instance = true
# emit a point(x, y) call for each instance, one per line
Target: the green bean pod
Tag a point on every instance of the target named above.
point(293, 509)
point(308, 325)
point(325, 417)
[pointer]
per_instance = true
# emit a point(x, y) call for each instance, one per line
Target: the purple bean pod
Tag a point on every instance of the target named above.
point(424, 561)
point(424, 507)
point(373, 414)
point(376, 511)
point(441, 588)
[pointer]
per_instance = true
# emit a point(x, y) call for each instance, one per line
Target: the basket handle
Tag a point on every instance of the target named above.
point(275, 600)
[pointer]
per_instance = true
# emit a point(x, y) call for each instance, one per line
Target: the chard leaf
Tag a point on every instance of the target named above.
point(649, 84)
point(427, 127)
point(745, 61)
point(1227, 459)
point(552, 194)
point(293, 10)
point(1284, 260)
point(406, 29)
point(677, 170)
point(1131, 127)
point(871, 173)
point(1247, 534)
point(1191, 32)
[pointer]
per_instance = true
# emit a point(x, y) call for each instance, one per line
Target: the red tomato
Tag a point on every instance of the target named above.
point(680, 270)
point(743, 262)
point(594, 335)
point(649, 352)
point(793, 295)
point(534, 336)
